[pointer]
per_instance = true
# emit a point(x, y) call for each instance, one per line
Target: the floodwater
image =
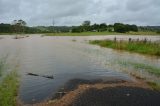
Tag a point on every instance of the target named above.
point(69, 58)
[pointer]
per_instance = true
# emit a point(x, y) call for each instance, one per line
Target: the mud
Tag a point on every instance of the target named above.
point(118, 96)
point(108, 93)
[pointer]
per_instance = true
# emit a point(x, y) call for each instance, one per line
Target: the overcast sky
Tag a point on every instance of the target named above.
point(74, 12)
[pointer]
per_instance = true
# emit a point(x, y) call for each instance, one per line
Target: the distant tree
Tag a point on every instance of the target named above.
point(133, 28)
point(95, 27)
point(77, 29)
point(103, 27)
point(86, 26)
point(158, 31)
point(5, 28)
point(86, 23)
point(119, 27)
point(123, 28)
point(19, 26)
point(110, 28)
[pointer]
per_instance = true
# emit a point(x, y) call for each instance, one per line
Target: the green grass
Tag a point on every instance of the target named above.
point(83, 34)
point(134, 46)
point(144, 33)
point(8, 90)
point(93, 33)
point(154, 86)
point(2, 65)
point(7, 33)
point(8, 84)
point(148, 68)
point(100, 33)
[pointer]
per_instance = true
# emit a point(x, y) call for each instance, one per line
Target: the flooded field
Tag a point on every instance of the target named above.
point(68, 58)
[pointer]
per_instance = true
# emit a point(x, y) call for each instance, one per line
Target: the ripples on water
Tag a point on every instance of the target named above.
point(66, 60)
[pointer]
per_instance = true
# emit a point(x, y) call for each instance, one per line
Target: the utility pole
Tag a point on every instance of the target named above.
point(53, 23)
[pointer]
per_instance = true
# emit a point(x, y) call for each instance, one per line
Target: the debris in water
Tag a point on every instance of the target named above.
point(45, 76)
point(20, 36)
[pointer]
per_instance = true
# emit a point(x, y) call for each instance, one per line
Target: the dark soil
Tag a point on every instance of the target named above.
point(73, 84)
point(118, 96)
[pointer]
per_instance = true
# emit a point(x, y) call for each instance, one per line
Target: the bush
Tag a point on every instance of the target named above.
point(123, 28)
point(158, 32)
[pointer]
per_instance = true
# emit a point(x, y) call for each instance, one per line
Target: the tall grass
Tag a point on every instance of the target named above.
point(8, 90)
point(154, 86)
point(8, 86)
point(143, 47)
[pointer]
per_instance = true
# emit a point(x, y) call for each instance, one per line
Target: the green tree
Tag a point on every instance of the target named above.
point(133, 28)
point(86, 23)
point(95, 27)
point(19, 26)
point(123, 28)
point(119, 27)
point(86, 26)
point(77, 29)
point(103, 27)
point(5, 28)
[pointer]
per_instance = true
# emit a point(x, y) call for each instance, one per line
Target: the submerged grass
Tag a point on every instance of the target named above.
point(142, 47)
point(2, 65)
point(150, 69)
point(145, 67)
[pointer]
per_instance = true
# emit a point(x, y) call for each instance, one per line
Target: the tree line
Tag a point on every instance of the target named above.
point(117, 27)
point(17, 26)
point(20, 26)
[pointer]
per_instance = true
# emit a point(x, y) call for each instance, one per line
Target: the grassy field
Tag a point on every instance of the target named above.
point(8, 87)
point(142, 47)
point(83, 34)
point(8, 90)
point(100, 33)
point(7, 33)
point(92, 33)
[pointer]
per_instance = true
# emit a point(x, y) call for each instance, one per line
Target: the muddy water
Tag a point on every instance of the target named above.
point(68, 58)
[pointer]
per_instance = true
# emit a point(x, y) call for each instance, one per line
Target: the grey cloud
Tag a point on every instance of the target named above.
point(74, 12)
